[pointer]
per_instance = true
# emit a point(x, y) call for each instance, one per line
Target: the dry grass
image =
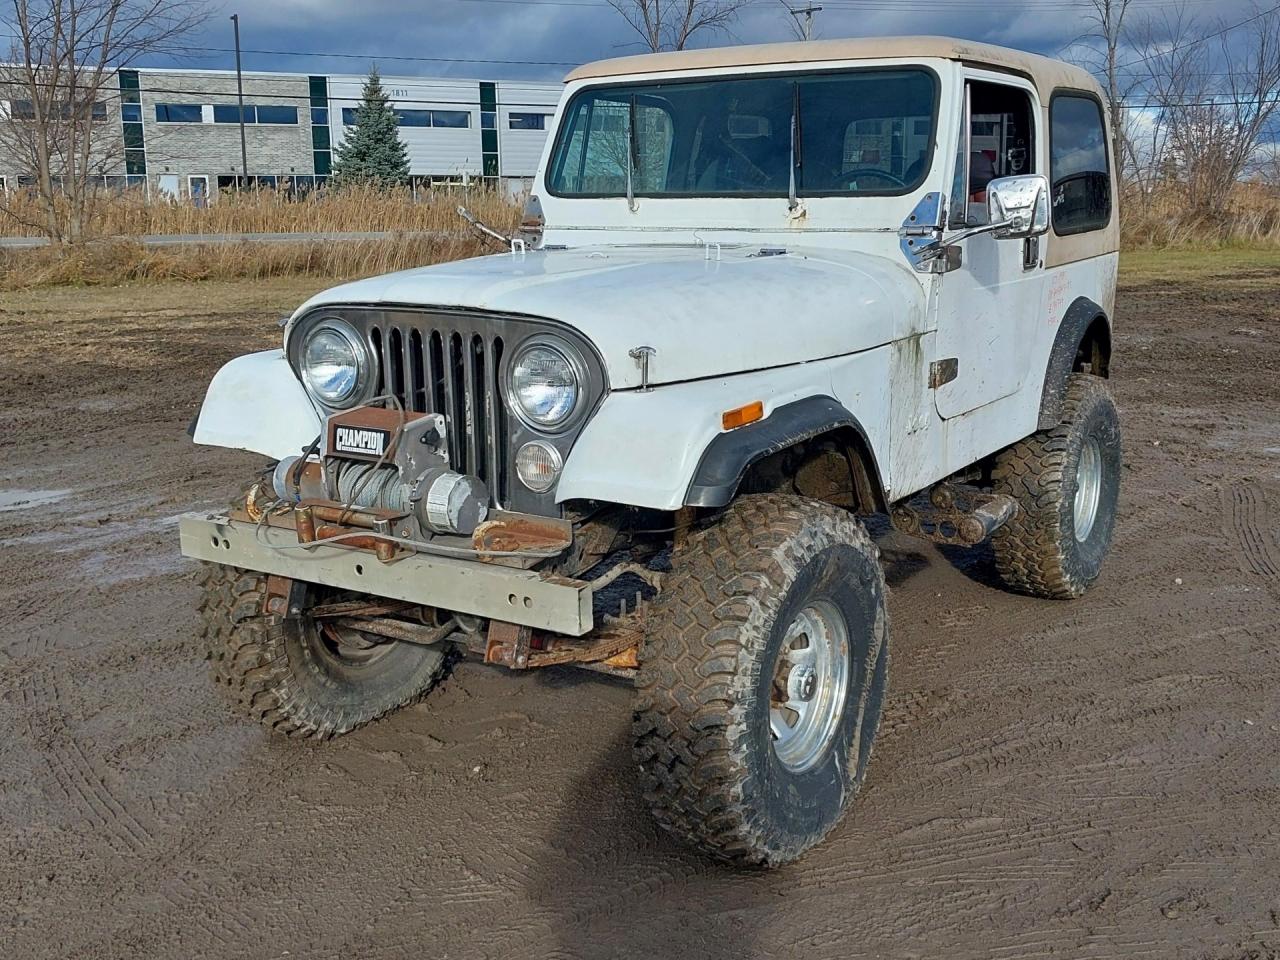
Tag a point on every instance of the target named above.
point(122, 261)
point(1159, 219)
point(356, 209)
point(428, 231)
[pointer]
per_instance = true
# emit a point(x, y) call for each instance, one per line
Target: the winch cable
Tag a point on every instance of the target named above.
point(421, 546)
point(301, 465)
point(382, 460)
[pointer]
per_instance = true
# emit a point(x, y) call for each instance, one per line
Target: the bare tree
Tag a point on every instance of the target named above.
point(1108, 17)
point(64, 58)
point(1215, 105)
point(668, 24)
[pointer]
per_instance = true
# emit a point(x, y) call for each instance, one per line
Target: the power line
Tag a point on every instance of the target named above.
point(1191, 43)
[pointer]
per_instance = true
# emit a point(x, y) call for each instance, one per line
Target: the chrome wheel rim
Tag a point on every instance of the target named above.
point(1088, 488)
point(810, 684)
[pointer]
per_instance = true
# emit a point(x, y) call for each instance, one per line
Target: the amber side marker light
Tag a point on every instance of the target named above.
point(741, 416)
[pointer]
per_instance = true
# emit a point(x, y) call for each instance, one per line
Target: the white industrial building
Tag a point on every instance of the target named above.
point(177, 132)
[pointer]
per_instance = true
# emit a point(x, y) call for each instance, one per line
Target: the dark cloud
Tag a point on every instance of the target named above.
point(579, 30)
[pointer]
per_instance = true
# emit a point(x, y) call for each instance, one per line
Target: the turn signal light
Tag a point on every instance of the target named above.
point(741, 416)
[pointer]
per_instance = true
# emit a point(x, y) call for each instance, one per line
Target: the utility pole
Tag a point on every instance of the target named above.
point(244, 151)
point(807, 13)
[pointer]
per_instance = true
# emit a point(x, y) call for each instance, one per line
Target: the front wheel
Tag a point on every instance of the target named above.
point(761, 684)
point(1067, 484)
point(299, 677)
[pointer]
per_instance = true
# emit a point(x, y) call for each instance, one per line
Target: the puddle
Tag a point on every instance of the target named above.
point(28, 499)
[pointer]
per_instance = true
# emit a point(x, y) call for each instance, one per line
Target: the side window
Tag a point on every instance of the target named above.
point(998, 141)
point(1081, 180)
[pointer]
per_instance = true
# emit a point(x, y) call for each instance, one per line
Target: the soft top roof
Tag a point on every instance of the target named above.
point(1045, 73)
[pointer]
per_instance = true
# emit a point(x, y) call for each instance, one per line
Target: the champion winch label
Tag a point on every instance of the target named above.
point(360, 440)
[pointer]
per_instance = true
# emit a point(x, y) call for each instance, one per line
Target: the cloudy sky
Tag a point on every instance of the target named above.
point(439, 37)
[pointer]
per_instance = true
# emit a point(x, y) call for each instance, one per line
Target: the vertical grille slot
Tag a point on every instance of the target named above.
point(417, 400)
point(395, 376)
point(433, 369)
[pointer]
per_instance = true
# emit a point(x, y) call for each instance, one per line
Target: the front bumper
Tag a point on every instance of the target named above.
point(525, 597)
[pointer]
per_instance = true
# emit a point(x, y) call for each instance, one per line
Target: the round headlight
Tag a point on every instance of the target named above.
point(538, 465)
point(544, 385)
point(331, 363)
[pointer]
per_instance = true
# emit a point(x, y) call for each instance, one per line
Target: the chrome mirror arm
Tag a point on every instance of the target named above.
point(935, 249)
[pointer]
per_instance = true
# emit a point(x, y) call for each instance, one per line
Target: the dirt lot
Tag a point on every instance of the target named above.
point(1090, 779)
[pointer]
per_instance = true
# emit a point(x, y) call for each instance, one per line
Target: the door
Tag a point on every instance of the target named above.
point(988, 306)
point(198, 188)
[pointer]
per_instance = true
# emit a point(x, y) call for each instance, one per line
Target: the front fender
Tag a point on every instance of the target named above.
point(256, 403)
point(643, 448)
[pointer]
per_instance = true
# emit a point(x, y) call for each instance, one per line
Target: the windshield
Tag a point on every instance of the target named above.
point(857, 133)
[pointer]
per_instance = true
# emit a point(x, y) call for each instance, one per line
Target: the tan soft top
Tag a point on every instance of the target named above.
point(1045, 73)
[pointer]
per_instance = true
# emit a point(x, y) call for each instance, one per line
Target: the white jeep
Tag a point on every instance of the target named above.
point(761, 292)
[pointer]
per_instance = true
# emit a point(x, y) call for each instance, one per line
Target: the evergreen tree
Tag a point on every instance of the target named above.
point(372, 151)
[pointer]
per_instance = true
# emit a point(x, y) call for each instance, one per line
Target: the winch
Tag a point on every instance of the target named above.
point(390, 460)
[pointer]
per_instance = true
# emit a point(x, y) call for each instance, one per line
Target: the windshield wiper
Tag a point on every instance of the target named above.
point(797, 151)
point(633, 152)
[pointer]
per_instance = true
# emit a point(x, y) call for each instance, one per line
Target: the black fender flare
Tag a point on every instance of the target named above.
point(1076, 322)
point(726, 459)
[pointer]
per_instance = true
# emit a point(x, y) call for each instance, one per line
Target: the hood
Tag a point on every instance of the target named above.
point(706, 314)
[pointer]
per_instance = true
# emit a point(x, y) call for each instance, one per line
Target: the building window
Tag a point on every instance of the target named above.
point(281, 116)
point(417, 118)
point(135, 157)
point(178, 113)
point(230, 113)
point(26, 110)
point(489, 162)
point(321, 154)
point(413, 118)
point(450, 118)
point(1079, 171)
point(527, 121)
point(259, 113)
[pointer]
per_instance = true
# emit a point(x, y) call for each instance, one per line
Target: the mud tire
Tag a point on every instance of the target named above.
point(1037, 552)
point(701, 723)
point(277, 672)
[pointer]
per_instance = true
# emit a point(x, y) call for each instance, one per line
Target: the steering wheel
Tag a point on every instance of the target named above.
point(850, 177)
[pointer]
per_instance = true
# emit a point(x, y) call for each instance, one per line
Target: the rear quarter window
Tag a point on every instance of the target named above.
point(1078, 167)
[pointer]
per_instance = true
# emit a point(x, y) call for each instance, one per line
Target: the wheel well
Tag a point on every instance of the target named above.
point(835, 466)
point(1093, 355)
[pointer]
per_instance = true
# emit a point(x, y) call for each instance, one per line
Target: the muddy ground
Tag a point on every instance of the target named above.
point(1089, 779)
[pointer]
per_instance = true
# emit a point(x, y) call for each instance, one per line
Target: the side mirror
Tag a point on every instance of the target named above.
point(1022, 204)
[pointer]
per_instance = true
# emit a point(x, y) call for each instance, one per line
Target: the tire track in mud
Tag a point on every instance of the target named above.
point(1250, 525)
point(83, 785)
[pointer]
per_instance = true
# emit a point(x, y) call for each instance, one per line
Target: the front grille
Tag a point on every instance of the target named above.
point(434, 365)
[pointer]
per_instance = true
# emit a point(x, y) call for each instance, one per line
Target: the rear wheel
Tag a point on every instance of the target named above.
point(761, 683)
point(1067, 484)
point(299, 676)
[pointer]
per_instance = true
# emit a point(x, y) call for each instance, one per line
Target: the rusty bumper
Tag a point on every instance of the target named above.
point(524, 597)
